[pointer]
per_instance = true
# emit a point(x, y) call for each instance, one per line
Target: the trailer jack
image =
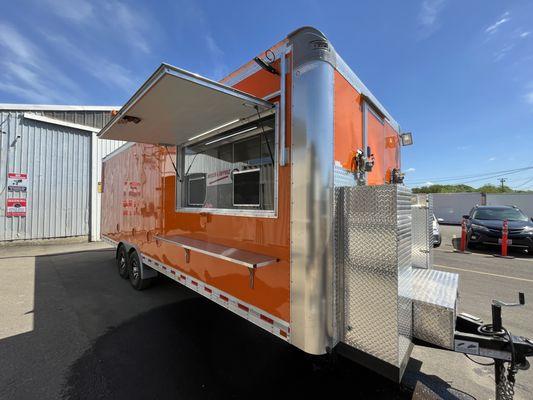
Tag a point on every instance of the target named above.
point(472, 337)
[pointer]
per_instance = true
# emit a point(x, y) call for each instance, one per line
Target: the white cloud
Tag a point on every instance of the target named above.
point(130, 24)
point(217, 55)
point(100, 68)
point(525, 34)
point(192, 12)
point(428, 16)
point(494, 27)
point(463, 147)
point(18, 45)
point(29, 74)
point(529, 97)
point(492, 159)
point(500, 54)
point(428, 183)
point(410, 169)
point(73, 10)
point(429, 12)
point(112, 18)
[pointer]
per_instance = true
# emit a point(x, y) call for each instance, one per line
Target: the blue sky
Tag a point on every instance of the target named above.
point(458, 74)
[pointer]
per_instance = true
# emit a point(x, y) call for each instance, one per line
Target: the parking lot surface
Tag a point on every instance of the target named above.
point(71, 328)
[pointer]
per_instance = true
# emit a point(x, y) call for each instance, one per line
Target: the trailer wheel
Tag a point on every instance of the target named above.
point(122, 262)
point(134, 271)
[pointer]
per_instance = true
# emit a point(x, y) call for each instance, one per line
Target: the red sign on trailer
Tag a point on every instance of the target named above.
point(16, 207)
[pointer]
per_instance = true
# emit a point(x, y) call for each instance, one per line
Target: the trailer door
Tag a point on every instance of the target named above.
point(175, 106)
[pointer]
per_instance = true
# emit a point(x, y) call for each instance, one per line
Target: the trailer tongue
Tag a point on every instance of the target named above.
point(275, 193)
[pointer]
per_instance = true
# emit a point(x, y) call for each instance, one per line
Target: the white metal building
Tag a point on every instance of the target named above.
point(50, 166)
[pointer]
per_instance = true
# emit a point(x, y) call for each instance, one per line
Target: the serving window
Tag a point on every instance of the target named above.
point(232, 172)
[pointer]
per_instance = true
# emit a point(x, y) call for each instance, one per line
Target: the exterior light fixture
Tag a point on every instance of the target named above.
point(406, 139)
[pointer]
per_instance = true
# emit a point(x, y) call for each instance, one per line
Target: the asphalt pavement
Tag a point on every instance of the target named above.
point(71, 328)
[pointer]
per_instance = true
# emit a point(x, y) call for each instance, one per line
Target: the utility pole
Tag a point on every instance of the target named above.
point(502, 181)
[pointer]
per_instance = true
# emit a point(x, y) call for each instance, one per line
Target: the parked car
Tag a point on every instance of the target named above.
point(437, 238)
point(485, 223)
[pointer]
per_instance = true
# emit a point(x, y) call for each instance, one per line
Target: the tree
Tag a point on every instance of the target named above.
point(462, 188)
point(494, 189)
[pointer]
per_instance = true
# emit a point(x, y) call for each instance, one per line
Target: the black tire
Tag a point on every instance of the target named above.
point(122, 262)
point(134, 271)
point(472, 246)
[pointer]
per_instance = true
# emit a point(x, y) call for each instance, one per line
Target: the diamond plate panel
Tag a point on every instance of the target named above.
point(374, 254)
point(422, 233)
point(434, 295)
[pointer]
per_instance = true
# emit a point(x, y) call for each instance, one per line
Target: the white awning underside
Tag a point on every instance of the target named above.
point(174, 106)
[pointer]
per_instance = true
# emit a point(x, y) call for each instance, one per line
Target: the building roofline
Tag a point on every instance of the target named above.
point(54, 107)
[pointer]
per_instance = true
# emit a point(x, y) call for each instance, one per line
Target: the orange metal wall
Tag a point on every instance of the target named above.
point(148, 209)
point(348, 121)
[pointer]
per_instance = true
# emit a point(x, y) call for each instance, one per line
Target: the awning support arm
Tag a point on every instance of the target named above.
point(173, 164)
point(266, 139)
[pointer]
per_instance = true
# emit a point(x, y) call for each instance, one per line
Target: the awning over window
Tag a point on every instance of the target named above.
point(174, 106)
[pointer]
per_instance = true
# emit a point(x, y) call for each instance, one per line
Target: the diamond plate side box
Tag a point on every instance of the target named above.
point(373, 255)
point(434, 296)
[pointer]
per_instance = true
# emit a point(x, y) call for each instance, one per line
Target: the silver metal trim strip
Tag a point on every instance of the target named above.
point(119, 150)
point(55, 121)
point(108, 240)
point(272, 95)
point(251, 69)
point(282, 100)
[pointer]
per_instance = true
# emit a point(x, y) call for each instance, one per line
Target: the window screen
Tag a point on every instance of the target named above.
point(246, 187)
point(237, 167)
point(196, 190)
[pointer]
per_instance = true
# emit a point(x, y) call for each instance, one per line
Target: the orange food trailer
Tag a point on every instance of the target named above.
point(277, 193)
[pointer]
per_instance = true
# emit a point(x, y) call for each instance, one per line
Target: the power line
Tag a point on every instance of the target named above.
point(524, 183)
point(474, 177)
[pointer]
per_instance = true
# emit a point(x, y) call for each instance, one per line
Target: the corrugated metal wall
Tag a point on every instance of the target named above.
point(63, 166)
point(56, 160)
point(95, 119)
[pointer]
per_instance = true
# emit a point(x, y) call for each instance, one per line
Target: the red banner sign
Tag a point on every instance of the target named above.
point(16, 207)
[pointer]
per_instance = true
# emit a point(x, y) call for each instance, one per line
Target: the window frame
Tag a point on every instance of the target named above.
point(229, 211)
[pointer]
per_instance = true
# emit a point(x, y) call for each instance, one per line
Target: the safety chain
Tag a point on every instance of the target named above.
point(505, 390)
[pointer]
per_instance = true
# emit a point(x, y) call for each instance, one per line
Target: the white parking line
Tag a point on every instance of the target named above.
point(485, 273)
point(481, 254)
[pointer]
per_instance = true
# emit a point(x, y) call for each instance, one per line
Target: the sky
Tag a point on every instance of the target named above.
point(457, 74)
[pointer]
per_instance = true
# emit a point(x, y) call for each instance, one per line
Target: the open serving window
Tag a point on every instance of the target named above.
point(175, 106)
point(226, 139)
point(232, 172)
